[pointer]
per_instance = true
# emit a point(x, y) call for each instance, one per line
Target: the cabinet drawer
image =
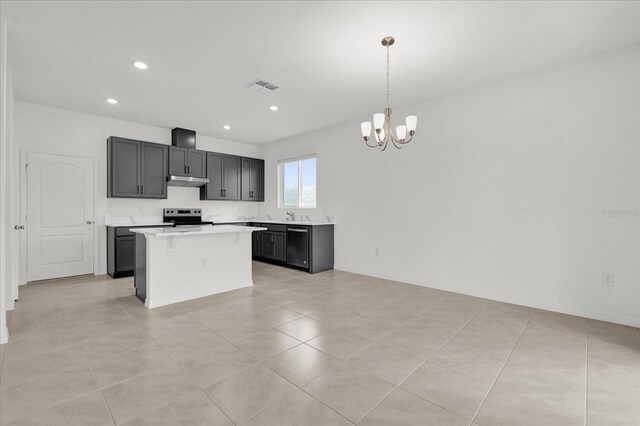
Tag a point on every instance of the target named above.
point(124, 232)
point(274, 227)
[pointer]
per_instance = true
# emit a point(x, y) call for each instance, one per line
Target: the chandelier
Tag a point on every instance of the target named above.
point(382, 122)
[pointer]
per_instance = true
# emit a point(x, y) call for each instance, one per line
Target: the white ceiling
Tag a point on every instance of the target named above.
point(325, 56)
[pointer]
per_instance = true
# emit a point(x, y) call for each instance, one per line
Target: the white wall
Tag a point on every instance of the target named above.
point(500, 194)
point(52, 130)
point(5, 204)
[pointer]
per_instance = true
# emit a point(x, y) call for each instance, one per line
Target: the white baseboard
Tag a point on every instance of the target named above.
point(4, 335)
point(156, 303)
point(569, 310)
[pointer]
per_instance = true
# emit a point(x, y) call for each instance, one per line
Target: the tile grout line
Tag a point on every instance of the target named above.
point(95, 379)
point(420, 366)
point(144, 331)
point(122, 381)
point(184, 372)
point(299, 388)
point(262, 363)
point(586, 372)
point(501, 370)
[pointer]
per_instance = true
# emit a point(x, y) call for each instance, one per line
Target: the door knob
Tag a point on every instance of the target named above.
point(17, 227)
point(89, 222)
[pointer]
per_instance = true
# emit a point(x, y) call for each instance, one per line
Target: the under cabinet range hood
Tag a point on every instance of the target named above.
point(186, 139)
point(186, 181)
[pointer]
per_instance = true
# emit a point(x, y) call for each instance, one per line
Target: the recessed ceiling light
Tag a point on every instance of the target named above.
point(226, 127)
point(112, 101)
point(273, 108)
point(140, 65)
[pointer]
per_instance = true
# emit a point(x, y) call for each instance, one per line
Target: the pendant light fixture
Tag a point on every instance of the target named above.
point(382, 121)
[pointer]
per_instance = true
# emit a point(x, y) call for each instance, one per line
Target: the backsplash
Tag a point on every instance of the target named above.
point(180, 197)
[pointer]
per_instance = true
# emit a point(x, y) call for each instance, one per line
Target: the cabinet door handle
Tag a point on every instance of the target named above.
point(138, 190)
point(142, 189)
point(189, 169)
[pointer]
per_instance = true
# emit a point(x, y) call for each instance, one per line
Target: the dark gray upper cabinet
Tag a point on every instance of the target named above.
point(232, 177)
point(187, 162)
point(123, 168)
point(197, 165)
point(214, 190)
point(252, 179)
point(178, 160)
point(136, 169)
point(153, 171)
point(223, 172)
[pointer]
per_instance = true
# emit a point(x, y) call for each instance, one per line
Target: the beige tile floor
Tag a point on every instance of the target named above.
point(297, 349)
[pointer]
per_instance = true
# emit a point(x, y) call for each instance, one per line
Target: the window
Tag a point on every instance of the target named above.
point(297, 183)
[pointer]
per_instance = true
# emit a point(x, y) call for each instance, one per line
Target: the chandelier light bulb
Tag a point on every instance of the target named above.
point(411, 121)
point(366, 129)
point(378, 121)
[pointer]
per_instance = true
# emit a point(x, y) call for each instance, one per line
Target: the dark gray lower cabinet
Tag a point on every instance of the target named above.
point(299, 246)
point(125, 253)
point(121, 250)
point(273, 246)
point(256, 240)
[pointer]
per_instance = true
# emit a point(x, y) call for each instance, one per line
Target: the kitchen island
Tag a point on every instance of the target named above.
point(182, 263)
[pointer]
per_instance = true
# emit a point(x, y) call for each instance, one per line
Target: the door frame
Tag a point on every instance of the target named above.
point(24, 209)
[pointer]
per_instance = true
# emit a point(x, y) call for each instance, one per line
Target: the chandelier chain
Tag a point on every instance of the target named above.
point(388, 77)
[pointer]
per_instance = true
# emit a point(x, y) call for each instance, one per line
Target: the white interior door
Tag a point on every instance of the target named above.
point(59, 216)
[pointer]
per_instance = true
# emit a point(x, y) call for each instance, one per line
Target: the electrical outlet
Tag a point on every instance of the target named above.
point(607, 279)
point(376, 251)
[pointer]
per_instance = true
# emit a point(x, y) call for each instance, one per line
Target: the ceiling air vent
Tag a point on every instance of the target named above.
point(260, 85)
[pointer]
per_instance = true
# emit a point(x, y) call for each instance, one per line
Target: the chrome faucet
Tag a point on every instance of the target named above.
point(292, 216)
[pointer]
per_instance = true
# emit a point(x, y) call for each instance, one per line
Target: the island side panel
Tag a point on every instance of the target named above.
point(186, 267)
point(140, 269)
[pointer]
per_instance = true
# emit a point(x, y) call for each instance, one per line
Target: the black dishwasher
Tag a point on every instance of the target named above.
point(298, 246)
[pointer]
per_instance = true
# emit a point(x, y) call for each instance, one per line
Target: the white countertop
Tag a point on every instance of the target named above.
point(196, 230)
point(279, 222)
point(293, 222)
point(278, 218)
point(132, 221)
